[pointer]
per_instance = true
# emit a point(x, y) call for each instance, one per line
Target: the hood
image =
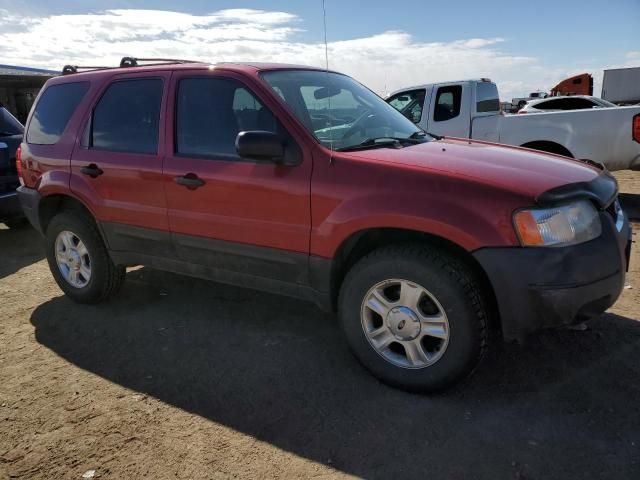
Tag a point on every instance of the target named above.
point(514, 169)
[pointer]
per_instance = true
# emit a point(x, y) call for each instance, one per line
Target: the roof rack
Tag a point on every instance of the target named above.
point(126, 62)
point(69, 69)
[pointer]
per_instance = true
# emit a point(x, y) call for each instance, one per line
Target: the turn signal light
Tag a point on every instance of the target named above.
point(636, 128)
point(527, 229)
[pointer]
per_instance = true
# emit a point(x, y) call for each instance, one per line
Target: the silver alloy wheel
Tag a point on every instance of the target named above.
point(73, 259)
point(405, 323)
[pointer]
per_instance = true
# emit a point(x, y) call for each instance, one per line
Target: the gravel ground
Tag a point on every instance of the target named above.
point(183, 378)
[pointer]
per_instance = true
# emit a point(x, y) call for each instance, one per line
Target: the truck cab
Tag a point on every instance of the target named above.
point(452, 108)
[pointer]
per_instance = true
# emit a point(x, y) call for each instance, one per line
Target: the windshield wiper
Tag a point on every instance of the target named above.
point(380, 142)
point(422, 133)
point(8, 134)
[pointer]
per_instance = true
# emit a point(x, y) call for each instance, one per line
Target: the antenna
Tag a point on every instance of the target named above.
point(326, 60)
point(326, 48)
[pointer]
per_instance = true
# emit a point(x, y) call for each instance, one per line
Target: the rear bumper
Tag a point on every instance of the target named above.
point(9, 206)
point(30, 201)
point(538, 288)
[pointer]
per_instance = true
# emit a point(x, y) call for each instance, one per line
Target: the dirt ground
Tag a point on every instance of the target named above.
point(183, 378)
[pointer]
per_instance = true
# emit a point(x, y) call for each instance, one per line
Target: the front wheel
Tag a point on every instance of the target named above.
point(79, 260)
point(414, 316)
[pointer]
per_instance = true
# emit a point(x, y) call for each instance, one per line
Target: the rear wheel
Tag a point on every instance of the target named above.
point(78, 259)
point(414, 316)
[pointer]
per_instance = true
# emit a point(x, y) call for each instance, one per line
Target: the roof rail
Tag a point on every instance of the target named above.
point(135, 62)
point(69, 69)
point(127, 62)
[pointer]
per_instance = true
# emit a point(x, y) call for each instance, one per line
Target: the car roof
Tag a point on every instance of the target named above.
point(426, 85)
point(246, 67)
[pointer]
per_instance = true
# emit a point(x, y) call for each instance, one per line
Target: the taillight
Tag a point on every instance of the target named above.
point(19, 162)
point(636, 128)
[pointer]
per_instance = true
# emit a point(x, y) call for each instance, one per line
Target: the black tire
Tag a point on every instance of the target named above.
point(106, 278)
point(456, 289)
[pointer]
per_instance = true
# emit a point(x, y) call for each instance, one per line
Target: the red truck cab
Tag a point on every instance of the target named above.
point(303, 182)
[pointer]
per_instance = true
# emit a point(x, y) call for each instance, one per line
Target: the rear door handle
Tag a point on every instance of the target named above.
point(92, 170)
point(190, 180)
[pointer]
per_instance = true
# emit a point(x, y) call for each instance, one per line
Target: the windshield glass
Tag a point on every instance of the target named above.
point(9, 125)
point(337, 110)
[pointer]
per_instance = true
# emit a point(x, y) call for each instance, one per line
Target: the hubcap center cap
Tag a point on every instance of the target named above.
point(74, 260)
point(403, 323)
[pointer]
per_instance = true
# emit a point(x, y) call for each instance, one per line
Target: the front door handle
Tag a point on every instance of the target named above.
point(190, 180)
point(92, 170)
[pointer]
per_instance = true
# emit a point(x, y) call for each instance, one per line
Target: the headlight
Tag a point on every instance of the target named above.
point(558, 226)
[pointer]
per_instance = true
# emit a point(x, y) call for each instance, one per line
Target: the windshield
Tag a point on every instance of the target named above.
point(337, 110)
point(9, 125)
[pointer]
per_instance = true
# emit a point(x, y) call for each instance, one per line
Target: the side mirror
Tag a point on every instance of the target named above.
point(260, 145)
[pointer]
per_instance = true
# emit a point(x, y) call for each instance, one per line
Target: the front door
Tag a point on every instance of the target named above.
point(232, 214)
point(449, 112)
point(117, 165)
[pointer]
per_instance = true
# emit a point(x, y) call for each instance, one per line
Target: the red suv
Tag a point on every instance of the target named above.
point(303, 182)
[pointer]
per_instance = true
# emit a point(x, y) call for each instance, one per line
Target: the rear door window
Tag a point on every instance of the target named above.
point(579, 104)
point(558, 104)
point(127, 117)
point(53, 111)
point(447, 104)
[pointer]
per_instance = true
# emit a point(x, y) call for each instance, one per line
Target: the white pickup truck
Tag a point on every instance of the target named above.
point(471, 109)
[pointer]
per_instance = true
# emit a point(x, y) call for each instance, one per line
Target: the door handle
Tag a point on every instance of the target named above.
point(190, 180)
point(91, 170)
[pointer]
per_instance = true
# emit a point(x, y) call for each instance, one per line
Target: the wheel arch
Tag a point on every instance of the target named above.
point(549, 147)
point(361, 243)
point(50, 205)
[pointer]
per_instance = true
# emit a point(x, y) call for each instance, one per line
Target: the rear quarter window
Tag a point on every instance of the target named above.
point(53, 111)
point(487, 99)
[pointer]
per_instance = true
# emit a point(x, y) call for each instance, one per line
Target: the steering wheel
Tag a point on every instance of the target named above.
point(357, 125)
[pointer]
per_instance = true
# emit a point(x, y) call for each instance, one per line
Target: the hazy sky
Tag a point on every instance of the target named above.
point(524, 46)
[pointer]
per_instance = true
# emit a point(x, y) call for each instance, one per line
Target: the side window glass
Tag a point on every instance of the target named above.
point(487, 99)
point(53, 111)
point(127, 117)
point(409, 104)
point(210, 112)
point(251, 114)
point(447, 104)
point(550, 105)
point(579, 104)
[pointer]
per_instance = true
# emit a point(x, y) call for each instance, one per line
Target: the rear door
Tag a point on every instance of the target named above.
point(245, 216)
point(117, 164)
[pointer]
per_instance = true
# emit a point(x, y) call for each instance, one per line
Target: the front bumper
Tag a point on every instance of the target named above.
point(9, 206)
point(541, 287)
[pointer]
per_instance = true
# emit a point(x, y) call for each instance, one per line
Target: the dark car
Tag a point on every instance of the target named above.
point(11, 131)
point(303, 182)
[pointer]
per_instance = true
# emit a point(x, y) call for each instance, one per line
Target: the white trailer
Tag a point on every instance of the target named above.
point(622, 85)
